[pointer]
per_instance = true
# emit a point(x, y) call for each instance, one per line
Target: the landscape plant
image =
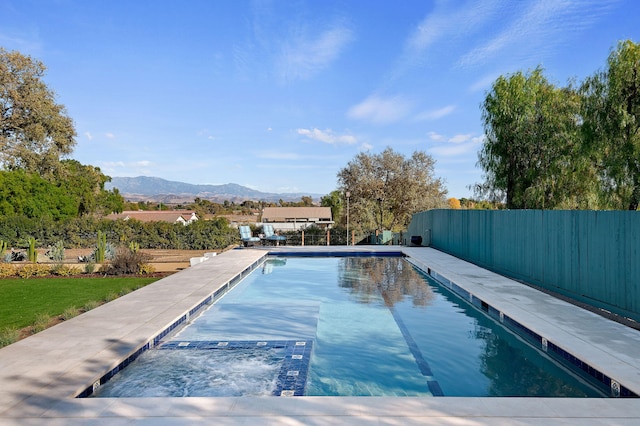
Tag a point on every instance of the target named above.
point(41, 322)
point(56, 251)
point(31, 270)
point(32, 253)
point(8, 335)
point(7, 270)
point(69, 313)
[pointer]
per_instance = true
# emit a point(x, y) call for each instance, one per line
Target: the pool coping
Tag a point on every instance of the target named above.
point(41, 375)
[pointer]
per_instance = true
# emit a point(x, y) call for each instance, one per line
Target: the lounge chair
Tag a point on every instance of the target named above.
point(270, 236)
point(246, 237)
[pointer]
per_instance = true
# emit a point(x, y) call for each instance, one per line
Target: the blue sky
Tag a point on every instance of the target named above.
point(280, 95)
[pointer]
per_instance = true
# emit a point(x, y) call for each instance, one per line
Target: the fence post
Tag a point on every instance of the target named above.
point(328, 236)
point(302, 241)
point(353, 237)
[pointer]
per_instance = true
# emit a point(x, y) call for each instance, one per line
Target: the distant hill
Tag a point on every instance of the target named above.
point(145, 188)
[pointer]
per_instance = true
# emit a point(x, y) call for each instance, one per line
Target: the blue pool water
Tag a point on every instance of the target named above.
point(372, 326)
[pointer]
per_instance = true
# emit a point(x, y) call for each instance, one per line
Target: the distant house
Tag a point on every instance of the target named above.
point(237, 219)
point(294, 218)
point(184, 217)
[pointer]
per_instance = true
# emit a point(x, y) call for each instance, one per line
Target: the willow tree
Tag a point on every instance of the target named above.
point(611, 113)
point(35, 131)
point(386, 189)
point(532, 155)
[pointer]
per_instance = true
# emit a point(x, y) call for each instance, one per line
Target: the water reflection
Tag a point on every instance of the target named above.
point(393, 278)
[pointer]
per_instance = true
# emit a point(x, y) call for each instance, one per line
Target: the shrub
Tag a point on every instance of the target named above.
point(146, 268)
point(89, 268)
point(8, 336)
point(69, 313)
point(92, 304)
point(33, 270)
point(64, 270)
point(111, 296)
point(56, 252)
point(127, 262)
point(41, 323)
point(7, 270)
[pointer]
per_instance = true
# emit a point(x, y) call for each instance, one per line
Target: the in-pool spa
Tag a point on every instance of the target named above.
point(346, 326)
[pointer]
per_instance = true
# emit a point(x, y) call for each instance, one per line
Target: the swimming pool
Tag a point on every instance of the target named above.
point(371, 326)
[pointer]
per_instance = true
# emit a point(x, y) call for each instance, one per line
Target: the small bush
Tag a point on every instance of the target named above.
point(146, 268)
point(92, 304)
point(65, 270)
point(69, 313)
point(7, 270)
point(89, 268)
point(111, 296)
point(34, 270)
point(8, 336)
point(56, 252)
point(127, 262)
point(41, 323)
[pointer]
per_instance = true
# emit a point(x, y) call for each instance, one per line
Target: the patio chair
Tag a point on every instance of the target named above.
point(270, 236)
point(246, 237)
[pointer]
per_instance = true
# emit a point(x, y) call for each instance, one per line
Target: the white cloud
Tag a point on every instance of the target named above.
point(366, 147)
point(378, 110)
point(540, 29)
point(88, 136)
point(110, 135)
point(435, 136)
point(278, 155)
point(327, 136)
point(435, 114)
point(460, 138)
point(447, 22)
point(456, 145)
point(302, 57)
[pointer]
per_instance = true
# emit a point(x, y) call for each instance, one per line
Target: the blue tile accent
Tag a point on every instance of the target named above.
point(157, 339)
point(423, 365)
point(292, 377)
point(391, 253)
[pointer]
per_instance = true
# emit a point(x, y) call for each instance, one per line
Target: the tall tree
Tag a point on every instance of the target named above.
point(336, 200)
point(611, 113)
point(35, 131)
point(387, 188)
point(532, 154)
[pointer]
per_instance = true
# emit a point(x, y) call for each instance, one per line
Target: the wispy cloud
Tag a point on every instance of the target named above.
point(379, 110)
point(539, 29)
point(436, 136)
point(88, 135)
point(291, 49)
point(304, 56)
point(327, 136)
point(435, 114)
point(279, 155)
point(445, 24)
point(456, 145)
point(110, 135)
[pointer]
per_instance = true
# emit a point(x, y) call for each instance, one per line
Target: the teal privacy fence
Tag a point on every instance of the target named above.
point(591, 256)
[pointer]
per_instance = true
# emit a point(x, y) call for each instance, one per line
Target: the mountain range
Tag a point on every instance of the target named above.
point(145, 188)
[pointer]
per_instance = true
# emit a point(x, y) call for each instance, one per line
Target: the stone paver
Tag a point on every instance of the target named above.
point(40, 375)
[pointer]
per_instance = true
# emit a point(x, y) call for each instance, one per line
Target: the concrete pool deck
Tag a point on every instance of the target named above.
point(40, 375)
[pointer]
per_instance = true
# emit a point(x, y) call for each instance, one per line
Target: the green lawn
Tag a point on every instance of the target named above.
point(23, 300)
